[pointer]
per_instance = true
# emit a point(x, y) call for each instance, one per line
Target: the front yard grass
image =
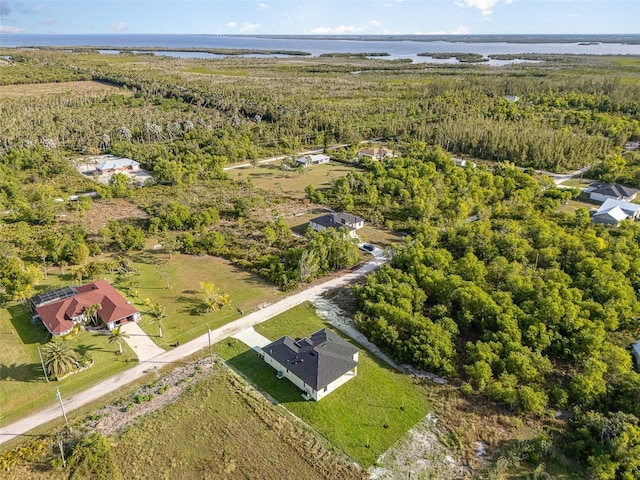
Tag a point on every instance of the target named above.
point(353, 417)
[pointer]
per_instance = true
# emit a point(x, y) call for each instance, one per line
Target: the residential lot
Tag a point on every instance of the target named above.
point(22, 383)
point(354, 416)
point(291, 182)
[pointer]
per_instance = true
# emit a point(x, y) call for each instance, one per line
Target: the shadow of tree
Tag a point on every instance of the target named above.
point(29, 333)
point(24, 372)
point(84, 349)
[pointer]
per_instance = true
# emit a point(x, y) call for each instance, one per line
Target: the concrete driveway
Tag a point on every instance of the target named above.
point(140, 342)
point(253, 339)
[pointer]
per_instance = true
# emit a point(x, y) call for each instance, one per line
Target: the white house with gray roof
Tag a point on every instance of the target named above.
point(338, 220)
point(317, 365)
point(312, 159)
point(116, 164)
point(612, 212)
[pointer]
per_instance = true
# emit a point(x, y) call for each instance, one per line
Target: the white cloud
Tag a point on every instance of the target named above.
point(249, 27)
point(27, 10)
point(485, 6)
point(49, 21)
point(7, 29)
point(232, 24)
point(119, 27)
point(374, 23)
point(461, 30)
point(341, 30)
point(263, 6)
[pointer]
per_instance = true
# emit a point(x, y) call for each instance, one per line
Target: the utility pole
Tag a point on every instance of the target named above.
point(209, 337)
point(64, 414)
point(42, 363)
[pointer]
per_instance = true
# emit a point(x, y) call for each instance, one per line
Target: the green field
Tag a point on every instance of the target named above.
point(353, 417)
point(292, 182)
point(23, 388)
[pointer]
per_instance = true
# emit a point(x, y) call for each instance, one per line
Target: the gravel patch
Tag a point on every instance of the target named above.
point(116, 417)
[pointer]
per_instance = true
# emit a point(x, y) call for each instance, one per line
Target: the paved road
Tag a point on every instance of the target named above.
point(120, 380)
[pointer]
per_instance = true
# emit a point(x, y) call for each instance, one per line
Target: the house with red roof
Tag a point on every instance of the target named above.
point(60, 310)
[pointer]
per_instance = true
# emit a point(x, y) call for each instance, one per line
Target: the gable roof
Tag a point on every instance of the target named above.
point(630, 209)
point(376, 152)
point(317, 360)
point(612, 215)
point(115, 163)
point(615, 190)
point(338, 220)
point(58, 316)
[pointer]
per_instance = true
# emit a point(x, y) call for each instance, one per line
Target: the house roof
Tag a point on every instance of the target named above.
point(375, 152)
point(628, 208)
point(337, 220)
point(615, 190)
point(115, 163)
point(58, 316)
point(317, 360)
point(314, 158)
point(636, 348)
point(612, 215)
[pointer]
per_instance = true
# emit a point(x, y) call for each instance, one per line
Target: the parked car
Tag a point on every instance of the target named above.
point(368, 247)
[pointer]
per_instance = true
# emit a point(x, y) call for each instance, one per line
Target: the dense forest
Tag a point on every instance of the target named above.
point(495, 285)
point(528, 307)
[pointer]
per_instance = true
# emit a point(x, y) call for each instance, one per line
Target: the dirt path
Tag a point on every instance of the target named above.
point(120, 380)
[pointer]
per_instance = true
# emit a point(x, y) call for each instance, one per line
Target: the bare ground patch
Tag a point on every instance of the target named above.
point(102, 211)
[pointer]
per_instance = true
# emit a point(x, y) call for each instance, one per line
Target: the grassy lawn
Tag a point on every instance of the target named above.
point(291, 183)
point(573, 205)
point(22, 384)
point(216, 431)
point(352, 417)
point(182, 301)
point(577, 183)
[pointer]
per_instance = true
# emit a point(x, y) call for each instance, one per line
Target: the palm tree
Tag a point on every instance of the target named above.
point(91, 312)
point(158, 314)
point(59, 357)
point(117, 335)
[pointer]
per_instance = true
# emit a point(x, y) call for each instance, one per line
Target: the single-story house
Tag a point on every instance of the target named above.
point(635, 349)
point(117, 164)
point(375, 153)
point(511, 98)
point(312, 159)
point(60, 310)
point(317, 365)
point(602, 191)
point(338, 220)
point(612, 212)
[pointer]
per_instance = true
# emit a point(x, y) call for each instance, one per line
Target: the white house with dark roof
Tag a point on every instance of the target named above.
point(317, 365)
point(603, 191)
point(312, 159)
point(338, 220)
